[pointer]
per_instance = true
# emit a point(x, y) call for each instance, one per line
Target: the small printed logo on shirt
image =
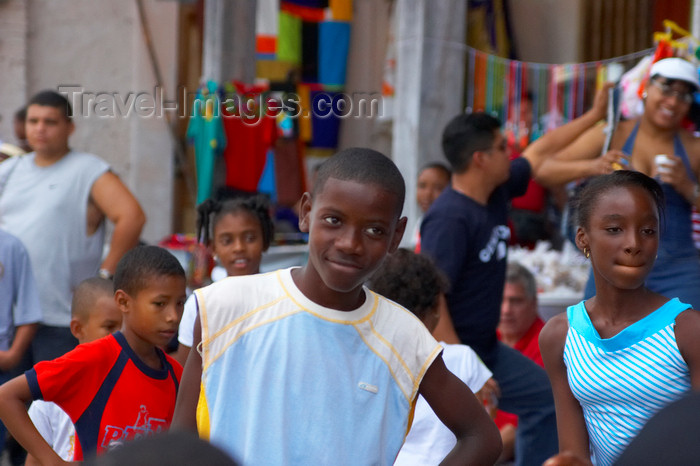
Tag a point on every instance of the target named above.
point(497, 244)
point(145, 425)
point(368, 387)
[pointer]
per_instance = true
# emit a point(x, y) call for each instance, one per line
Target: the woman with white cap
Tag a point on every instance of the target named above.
point(635, 145)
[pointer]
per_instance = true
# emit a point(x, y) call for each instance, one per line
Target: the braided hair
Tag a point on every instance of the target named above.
point(211, 211)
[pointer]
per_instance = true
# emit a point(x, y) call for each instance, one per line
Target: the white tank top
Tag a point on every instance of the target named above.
point(46, 208)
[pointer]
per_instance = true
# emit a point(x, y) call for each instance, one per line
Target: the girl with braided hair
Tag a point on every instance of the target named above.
point(237, 231)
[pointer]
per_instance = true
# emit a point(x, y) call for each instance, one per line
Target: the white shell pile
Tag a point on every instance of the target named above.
point(562, 272)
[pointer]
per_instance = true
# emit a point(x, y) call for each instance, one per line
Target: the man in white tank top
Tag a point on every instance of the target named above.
point(55, 200)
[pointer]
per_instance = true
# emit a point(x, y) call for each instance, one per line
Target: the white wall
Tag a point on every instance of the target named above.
point(98, 46)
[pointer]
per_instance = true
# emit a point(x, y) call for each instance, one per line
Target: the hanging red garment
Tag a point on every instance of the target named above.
point(250, 132)
point(289, 157)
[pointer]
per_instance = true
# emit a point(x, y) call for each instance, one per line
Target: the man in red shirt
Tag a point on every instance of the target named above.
point(518, 328)
point(520, 324)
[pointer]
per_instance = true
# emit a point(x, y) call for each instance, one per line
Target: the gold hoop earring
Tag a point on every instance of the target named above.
point(586, 253)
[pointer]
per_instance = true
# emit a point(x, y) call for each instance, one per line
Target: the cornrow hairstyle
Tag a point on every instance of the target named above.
point(211, 211)
point(587, 198)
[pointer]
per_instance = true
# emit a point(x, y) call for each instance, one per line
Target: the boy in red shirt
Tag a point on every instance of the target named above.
point(119, 387)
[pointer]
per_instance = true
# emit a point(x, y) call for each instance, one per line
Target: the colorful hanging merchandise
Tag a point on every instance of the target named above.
point(267, 29)
point(312, 42)
point(206, 133)
point(557, 92)
point(251, 133)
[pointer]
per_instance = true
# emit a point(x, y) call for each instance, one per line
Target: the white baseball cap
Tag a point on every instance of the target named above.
point(678, 69)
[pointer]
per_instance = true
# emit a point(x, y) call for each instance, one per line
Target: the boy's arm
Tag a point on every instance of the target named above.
point(23, 337)
point(13, 398)
point(185, 416)
point(478, 440)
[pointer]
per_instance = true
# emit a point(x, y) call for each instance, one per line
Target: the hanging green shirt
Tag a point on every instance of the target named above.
point(206, 133)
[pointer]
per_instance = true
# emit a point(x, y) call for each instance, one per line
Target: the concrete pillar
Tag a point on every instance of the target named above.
point(229, 40)
point(14, 27)
point(429, 91)
point(695, 18)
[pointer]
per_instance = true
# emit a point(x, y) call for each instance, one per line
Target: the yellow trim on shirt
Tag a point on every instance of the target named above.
point(328, 319)
point(391, 370)
point(203, 323)
point(245, 316)
point(426, 365)
point(203, 423)
point(243, 332)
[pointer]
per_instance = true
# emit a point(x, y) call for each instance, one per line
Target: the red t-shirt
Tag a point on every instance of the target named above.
point(529, 343)
point(534, 198)
point(108, 392)
point(530, 347)
point(248, 139)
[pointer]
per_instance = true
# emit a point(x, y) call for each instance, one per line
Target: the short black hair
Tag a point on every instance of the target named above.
point(410, 279)
point(142, 263)
point(587, 198)
point(86, 295)
point(171, 448)
point(466, 134)
point(364, 166)
point(21, 114)
point(211, 211)
point(51, 98)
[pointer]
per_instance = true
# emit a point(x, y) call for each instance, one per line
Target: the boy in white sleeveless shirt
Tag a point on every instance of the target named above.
point(306, 365)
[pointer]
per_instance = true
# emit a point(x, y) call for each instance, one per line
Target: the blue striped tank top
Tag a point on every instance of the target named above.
point(620, 382)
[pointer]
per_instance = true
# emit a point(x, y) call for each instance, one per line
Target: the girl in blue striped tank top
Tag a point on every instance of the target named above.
point(619, 357)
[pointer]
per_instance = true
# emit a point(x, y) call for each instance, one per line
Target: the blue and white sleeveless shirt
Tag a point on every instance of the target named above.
point(623, 381)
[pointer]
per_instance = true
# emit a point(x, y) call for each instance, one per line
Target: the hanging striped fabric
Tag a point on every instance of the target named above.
point(559, 91)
